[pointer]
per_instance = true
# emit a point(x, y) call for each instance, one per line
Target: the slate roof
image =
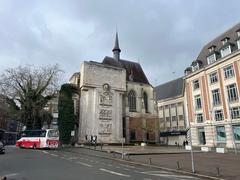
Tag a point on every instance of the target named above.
point(217, 42)
point(170, 89)
point(131, 68)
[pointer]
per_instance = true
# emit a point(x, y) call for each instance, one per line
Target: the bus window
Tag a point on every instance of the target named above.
point(53, 133)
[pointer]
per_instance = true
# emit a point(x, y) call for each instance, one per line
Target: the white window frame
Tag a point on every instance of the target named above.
point(218, 115)
point(213, 78)
point(216, 99)
point(199, 118)
point(235, 112)
point(238, 43)
point(198, 102)
point(228, 71)
point(232, 92)
point(196, 67)
point(225, 51)
point(196, 84)
point(211, 59)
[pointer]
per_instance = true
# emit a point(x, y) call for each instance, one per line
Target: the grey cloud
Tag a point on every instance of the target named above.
point(165, 36)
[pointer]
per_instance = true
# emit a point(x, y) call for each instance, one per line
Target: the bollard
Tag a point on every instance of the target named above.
point(101, 146)
point(128, 156)
point(218, 171)
point(178, 165)
point(150, 160)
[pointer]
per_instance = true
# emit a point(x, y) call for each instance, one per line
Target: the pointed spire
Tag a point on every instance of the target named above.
point(116, 50)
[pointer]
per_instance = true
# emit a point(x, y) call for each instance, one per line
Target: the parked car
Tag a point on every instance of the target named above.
point(2, 149)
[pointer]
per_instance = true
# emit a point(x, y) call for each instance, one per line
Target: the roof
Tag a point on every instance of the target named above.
point(116, 46)
point(170, 89)
point(217, 42)
point(133, 69)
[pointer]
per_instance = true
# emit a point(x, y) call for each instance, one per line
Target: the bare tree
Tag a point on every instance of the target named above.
point(32, 87)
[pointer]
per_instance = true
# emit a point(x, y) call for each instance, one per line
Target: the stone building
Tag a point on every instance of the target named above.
point(212, 92)
point(116, 101)
point(171, 112)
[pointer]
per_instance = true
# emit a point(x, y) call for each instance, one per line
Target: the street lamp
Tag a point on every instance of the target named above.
point(191, 149)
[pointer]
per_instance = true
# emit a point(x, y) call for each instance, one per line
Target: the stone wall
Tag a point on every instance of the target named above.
point(102, 88)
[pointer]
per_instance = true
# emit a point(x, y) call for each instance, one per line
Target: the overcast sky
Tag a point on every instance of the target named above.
point(164, 36)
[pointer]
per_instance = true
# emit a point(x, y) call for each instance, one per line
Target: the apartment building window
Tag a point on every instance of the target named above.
point(221, 134)
point(216, 97)
point(174, 118)
point(167, 119)
point(213, 78)
point(199, 117)
point(211, 59)
point(228, 72)
point(235, 112)
point(236, 131)
point(198, 104)
point(232, 92)
point(219, 115)
point(201, 136)
point(196, 84)
point(180, 117)
point(195, 67)
point(226, 51)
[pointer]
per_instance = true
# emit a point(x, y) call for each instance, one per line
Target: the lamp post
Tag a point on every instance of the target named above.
point(191, 150)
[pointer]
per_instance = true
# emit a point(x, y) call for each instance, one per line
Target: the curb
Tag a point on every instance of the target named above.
point(140, 153)
point(148, 165)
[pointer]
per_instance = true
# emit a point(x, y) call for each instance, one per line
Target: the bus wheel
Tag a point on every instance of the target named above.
point(34, 146)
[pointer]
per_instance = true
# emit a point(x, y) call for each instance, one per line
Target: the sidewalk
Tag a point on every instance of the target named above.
point(170, 157)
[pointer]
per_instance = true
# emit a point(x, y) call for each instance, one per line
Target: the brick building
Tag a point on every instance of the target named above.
point(212, 92)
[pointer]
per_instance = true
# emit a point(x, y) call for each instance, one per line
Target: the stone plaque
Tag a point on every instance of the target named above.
point(105, 128)
point(106, 96)
point(105, 114)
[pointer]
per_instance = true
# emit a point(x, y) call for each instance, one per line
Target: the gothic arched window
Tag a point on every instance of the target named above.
point(132, 101)
point(145, 99)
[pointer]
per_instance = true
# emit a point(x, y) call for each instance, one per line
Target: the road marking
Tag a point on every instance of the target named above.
point(73, 158)
point(115, 173)
point(54, 155)
point(84, 164)
point(45, 152)
point(133, 167)
point(126, 169)
point(11, 175)
point(168, 174)
point(110, 165)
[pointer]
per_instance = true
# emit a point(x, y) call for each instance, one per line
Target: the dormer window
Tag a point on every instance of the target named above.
point(212, 48)
point(225, 40)
point(211, 59)
point(195, 67)
point(238, 33)
point(238, 40)
point(226, 51)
